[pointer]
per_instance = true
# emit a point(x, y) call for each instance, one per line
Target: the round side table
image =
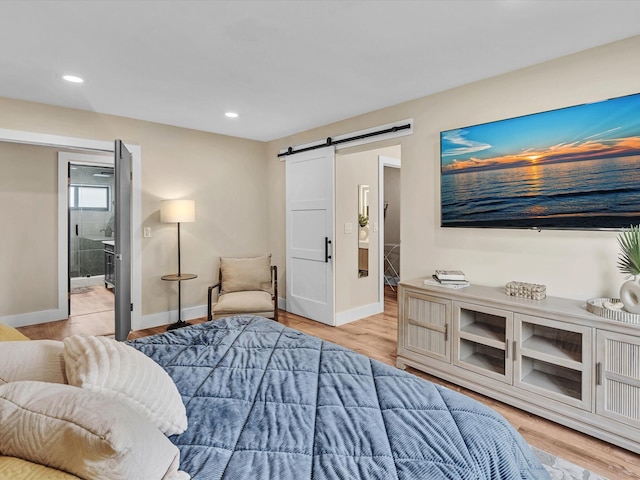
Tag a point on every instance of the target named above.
point(179, 277)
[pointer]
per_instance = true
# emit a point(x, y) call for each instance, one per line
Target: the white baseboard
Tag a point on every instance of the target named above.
point(34, 318)
point(146, 321)
point(189, 313)
point(165, 318)
point(349, 316)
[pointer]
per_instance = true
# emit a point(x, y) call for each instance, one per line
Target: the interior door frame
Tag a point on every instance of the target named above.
point(64, 160)
point(60, 312)
point(383, 161)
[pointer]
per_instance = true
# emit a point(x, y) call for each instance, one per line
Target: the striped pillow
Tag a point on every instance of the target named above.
point(39, 360)
point(112, 368)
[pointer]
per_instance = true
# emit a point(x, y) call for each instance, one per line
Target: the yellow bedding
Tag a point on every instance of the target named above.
point(12, 468)
point(8, 333)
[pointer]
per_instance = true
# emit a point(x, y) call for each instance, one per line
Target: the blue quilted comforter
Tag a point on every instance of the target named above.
point(268, 402)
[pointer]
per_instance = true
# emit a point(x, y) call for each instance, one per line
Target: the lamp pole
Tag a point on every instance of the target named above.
point(178, 211)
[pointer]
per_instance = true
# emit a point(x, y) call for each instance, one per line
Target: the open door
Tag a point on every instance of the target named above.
point(123, 179)
point(310, 219)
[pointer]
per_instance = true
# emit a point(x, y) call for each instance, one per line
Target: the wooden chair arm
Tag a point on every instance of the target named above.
point(274, 281)
point(210, 300)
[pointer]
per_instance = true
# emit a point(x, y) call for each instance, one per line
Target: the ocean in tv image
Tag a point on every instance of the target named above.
point(577, 168)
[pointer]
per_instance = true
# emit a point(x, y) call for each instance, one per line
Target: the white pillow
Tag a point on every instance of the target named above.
point(110, 367)
point(40, 360)
point(83, 433)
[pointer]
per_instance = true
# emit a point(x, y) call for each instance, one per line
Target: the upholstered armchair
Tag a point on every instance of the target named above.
point(245, 286)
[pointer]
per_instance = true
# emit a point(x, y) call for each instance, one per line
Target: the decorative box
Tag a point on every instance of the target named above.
point(526, 290)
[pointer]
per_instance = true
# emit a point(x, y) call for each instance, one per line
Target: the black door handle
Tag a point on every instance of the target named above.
point(326, 249)
point(76, 229)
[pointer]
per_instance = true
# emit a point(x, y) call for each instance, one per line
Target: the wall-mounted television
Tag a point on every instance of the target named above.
point(572, 168)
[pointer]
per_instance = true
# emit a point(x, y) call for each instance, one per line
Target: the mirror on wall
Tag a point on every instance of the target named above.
point(363, 231)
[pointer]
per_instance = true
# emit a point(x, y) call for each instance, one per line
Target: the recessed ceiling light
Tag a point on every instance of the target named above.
point(73, 79)
point(231, 114)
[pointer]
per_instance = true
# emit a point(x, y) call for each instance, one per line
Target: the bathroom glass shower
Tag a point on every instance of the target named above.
point(91, 219)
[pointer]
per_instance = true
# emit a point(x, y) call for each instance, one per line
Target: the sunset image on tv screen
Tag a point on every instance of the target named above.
point(575, 168)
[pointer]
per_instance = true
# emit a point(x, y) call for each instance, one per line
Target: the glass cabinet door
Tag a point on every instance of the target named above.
point(483, 335)
point(553, 359)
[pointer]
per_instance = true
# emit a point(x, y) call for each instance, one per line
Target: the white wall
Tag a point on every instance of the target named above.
point(573, 264)
point(28, 244)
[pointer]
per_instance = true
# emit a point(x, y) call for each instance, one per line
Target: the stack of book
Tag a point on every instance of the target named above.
point(448, 278)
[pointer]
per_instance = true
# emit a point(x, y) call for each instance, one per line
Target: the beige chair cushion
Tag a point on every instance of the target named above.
point(256, 302)
point(241, 274)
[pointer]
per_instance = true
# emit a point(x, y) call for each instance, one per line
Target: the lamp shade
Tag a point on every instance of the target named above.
point(177, 211)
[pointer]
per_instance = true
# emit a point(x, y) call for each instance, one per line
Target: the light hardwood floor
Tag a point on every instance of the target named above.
point(92, 313)
point(376, 337)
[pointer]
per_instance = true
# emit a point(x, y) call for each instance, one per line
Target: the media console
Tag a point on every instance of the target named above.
point(550, 357)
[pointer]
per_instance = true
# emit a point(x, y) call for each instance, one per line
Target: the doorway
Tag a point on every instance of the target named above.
point(355, 295)
point(91, 220)
point(390, 233)
point(97, 203)
point(360, 230)
point(90, 225)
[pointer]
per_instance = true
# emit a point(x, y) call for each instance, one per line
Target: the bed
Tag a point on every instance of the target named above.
point(264, 401)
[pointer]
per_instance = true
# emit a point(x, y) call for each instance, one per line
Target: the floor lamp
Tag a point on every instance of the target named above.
point(178, 211)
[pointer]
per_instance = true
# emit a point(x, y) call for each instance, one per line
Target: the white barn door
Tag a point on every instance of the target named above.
point(310, 229)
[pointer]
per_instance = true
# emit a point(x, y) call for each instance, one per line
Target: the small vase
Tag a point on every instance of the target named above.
point(364, 233)
point(630, 295)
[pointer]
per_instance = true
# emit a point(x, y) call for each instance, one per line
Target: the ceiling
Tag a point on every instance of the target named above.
point(283, 66)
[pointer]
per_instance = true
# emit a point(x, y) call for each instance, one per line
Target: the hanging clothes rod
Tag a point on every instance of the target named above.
point(330, 141)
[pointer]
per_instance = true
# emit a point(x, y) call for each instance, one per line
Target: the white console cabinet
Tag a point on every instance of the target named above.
point(550, 357)
point(618, 378)
point(427, 325)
